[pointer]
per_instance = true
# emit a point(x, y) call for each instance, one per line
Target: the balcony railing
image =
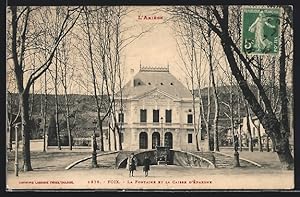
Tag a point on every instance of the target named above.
point(157, 125)
point(161, 125)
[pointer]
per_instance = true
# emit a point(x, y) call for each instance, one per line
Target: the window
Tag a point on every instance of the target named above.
point(143, 140)
point(121, 117)
point(143, 115)
point(190, 138)
point(155, 115)
point(168, 116)
point(189, 118)
point(169, 140)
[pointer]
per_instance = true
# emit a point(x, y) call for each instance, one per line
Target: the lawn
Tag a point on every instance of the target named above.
point(54, 160)
point(266, 159)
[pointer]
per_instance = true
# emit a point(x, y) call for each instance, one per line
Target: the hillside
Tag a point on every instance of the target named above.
point(83, 108)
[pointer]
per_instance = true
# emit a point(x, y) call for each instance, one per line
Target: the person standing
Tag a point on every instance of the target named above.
point(146, 165)
point(131, 164)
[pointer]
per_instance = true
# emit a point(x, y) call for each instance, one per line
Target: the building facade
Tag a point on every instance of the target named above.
point(157, 110)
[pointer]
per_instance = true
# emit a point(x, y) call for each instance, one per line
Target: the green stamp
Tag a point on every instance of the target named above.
point(261, 31)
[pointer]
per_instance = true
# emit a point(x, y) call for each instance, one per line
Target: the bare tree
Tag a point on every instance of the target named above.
point(272, 125)
point(24, 31)
point(44, 114)
point(67, 73)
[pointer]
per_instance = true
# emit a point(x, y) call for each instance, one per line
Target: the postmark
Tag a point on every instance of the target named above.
point(260, 31)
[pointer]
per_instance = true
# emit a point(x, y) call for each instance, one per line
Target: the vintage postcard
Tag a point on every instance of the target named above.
point(149, 97)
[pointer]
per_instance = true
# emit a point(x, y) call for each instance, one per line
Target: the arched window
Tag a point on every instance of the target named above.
point(169, 140)
point(143, 140)
point(155, 140)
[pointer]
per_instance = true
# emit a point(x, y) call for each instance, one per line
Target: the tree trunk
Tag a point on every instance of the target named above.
point(267, 143)
point(68, 119)
point(231, 113)
point(10, 121)
point(282, 90)
point(239, 122)
point(212, 80)
point(23, 93)
point(268, 120)
point(94, 79)
point(216, 118)
point(114, 137)
point(260, 146)
point(32, 103)
point(101, 133)
point(56, 107)
point(25, 130)
point(208, 114)
point(45, 115)
point(196, 131)
point(9, 138)
point(108, 137)
point(259, 101)
point(250, 140)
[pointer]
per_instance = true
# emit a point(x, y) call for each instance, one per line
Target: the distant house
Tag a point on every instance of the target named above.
point(10, 129)
point(157, 111)
point(255, 128)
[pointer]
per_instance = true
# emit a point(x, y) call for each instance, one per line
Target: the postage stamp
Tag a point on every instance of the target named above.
point(261, 31)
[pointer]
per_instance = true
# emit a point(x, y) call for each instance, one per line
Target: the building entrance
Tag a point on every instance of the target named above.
point(168, 140)
point(155, 140)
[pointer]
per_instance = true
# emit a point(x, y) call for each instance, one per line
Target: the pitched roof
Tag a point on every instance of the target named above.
point(149, 79)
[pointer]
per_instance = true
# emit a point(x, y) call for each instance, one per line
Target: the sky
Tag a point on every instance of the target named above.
point(157, 47)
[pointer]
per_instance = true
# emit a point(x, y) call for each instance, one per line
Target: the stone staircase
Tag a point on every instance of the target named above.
point(193, 159)
point(181, 158)
point(122, 155)
point(207, 155)
point(227, 161)
point(104, 161)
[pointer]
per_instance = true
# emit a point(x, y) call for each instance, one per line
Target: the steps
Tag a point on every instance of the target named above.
point(106, 160)
point(122, 155)
point(227, 161)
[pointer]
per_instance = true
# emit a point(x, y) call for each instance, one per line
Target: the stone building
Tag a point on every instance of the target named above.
point(255, 128)
point(157, 111)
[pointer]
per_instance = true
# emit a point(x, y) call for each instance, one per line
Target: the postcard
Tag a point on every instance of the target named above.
point(169, 98)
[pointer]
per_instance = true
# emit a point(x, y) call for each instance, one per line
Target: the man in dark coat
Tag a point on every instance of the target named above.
point(146, 164)
point(131, 164)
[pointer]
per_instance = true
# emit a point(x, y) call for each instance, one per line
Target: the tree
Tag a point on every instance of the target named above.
point(272, 125)
point(67, 73)
point(26, 37)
